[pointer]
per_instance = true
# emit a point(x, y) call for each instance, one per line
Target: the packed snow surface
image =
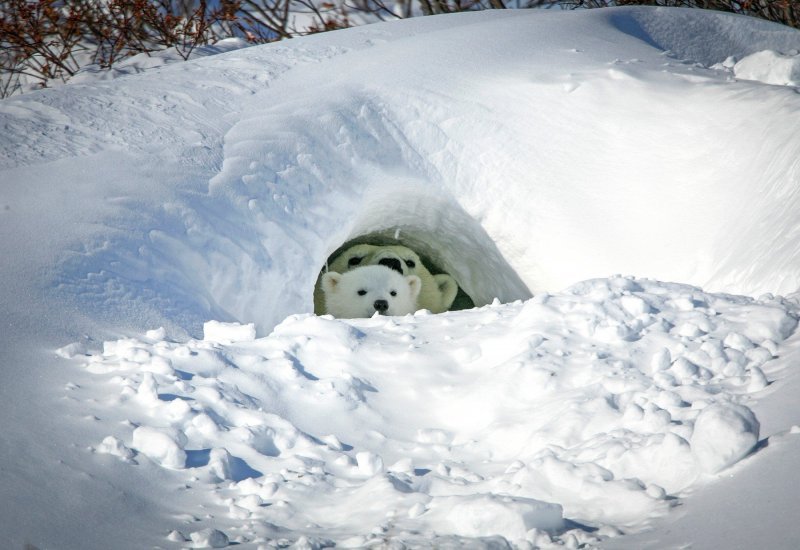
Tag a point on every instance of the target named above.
point(527, 421)
point(167, 386)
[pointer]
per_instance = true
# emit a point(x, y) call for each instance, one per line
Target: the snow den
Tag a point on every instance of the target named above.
point(445, 237)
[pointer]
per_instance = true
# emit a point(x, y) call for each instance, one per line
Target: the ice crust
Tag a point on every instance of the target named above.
point(593, 406)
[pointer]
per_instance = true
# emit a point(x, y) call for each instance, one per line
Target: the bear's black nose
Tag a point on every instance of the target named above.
point(381, 306)
point(392, 263)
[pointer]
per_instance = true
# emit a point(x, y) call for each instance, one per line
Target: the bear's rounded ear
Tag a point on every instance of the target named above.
point(448, 289)
point(330, 281)
point(414, 284)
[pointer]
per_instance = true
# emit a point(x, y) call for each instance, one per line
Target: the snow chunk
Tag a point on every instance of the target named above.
point(758, 380)
point(147, 392)
point(163, 445)
point(738, 342)
point(769, 67)
point(113, 446)
point(219, 463)
point(156, 334)
point(209, 538)
point(485, 515)
point(71, 350)
point(661, 360)
point(216, 331)
point(666, 461)
point(369, 464)
point(724, 433)
point(176, 536)
point(634, 305)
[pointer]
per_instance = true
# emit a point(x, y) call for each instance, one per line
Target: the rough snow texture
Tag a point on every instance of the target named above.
point(523, 152)
point(591, 407)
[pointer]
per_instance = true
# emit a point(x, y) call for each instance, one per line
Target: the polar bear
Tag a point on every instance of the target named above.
point(368, 290)
point(437, 292)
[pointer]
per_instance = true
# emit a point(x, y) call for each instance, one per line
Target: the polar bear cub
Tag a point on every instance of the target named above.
point(436, 294)
point(371, 289)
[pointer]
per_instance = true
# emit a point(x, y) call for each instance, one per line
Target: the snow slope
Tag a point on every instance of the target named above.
point(522, 152)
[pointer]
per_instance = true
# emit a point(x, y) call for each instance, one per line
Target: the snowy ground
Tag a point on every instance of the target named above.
point(166, 385)
point(594, 407)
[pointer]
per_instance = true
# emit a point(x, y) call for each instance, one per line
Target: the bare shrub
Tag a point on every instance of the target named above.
point(45, 41)
point(50, 40)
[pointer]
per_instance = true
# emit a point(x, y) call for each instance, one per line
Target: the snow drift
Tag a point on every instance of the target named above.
point(485, 158)
point(522, 152)
point(528, 422)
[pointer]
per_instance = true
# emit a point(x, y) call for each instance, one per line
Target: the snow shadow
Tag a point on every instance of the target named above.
point(628, 23)
point(447, 239)
point(238, 468)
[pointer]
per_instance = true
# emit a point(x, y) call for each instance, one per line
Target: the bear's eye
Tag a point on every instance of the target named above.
point(362, 292)
point(410, 263)
point(354, 261)
point(393, 293)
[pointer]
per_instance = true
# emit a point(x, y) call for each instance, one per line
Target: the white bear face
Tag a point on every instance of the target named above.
point(367, 290)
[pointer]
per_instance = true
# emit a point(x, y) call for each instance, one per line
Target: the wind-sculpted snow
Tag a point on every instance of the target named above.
point(529, 421)
point(204, 186)
point(706, 39)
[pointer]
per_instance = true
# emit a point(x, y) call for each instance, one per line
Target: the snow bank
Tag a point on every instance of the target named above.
point(595, 406)
point(217, 188)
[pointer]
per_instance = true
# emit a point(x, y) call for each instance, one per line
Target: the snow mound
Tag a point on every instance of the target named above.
point(209, 538)
point(218, 188)
point(482, 515)
point(593, 406)
point(723, 434)
point(165, 446)
point(769, 67)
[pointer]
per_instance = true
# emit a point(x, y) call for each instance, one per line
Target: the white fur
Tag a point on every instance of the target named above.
point(376, 282)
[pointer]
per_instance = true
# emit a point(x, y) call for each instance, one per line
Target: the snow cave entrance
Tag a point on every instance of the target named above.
point(445, 237)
